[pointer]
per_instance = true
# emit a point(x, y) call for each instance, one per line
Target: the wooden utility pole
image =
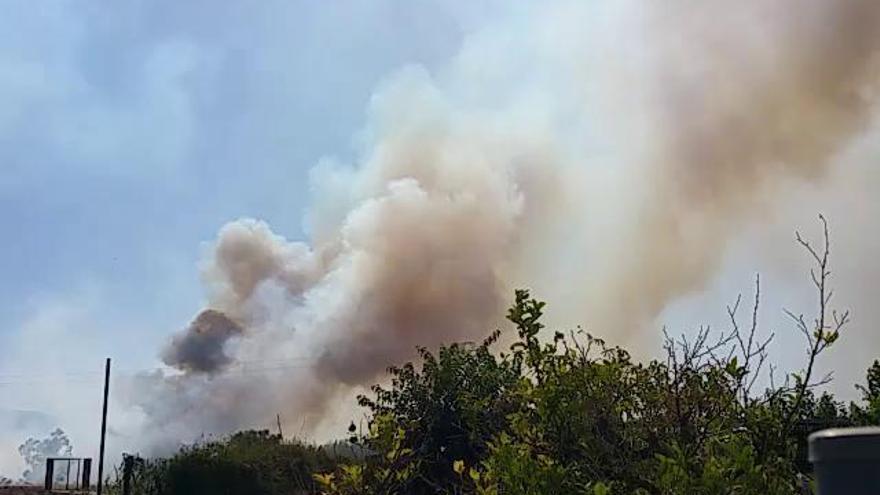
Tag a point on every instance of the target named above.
point(278, 418)
point(103, 426)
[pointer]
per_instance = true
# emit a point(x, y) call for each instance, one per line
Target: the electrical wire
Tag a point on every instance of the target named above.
point(237, 369)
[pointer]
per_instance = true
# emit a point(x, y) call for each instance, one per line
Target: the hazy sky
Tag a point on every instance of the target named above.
point(131, 131)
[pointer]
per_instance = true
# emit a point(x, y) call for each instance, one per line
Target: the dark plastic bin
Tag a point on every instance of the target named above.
point(846, 461)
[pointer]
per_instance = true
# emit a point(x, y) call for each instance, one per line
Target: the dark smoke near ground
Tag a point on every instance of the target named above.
point(606, 153)
point(201, 347)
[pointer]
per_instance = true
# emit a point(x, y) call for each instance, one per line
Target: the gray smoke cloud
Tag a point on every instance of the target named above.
point(602, 154)
point(202, 346)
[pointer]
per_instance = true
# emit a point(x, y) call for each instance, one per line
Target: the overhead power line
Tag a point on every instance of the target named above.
point(250, 367)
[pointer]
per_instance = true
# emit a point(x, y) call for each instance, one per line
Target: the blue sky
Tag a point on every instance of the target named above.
point(131, 131)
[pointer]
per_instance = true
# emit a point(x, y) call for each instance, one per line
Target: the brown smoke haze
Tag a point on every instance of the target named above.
point(604, 155)
point(765, 94)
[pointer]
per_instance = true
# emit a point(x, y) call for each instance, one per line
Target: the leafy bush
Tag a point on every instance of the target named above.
point(574, 415)
point(247, 463)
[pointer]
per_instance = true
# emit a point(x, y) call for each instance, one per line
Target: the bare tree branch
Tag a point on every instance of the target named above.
point(822, 335)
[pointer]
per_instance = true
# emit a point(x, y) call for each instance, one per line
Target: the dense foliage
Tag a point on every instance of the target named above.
point(578, 416)
point(250, 462)
point(572, 415)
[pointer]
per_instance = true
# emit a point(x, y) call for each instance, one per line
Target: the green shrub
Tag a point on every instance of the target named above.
point(247, 463)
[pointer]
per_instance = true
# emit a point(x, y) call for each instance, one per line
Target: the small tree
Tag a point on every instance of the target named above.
point(34, 452)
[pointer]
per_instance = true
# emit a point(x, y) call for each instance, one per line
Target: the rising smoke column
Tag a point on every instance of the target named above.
point(418, 257)
point(767, 93)
point(706, 109)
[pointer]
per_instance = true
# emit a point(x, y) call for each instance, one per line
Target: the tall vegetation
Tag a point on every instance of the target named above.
point(249, 462)
point(571, 414)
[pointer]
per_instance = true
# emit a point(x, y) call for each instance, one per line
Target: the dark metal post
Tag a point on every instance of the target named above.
point(87, 473)
point(103, 426)
point(50, 472)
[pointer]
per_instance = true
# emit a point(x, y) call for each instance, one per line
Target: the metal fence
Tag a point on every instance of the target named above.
point(69, 474)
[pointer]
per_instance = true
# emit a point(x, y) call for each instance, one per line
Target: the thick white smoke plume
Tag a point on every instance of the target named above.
point(604, 154)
